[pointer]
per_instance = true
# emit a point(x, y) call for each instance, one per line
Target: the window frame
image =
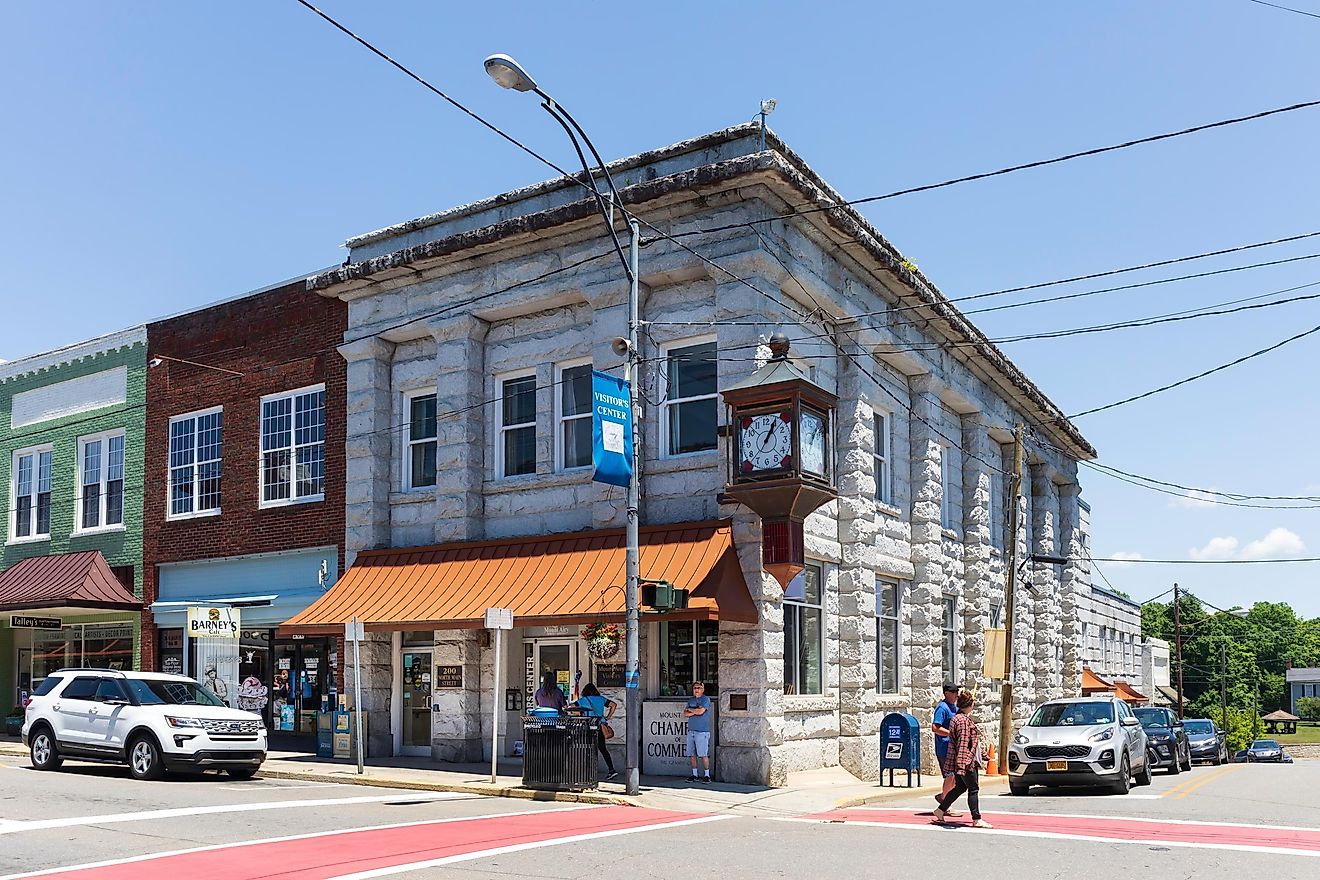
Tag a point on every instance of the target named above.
point(881, 457)
point(949, 637)
point(406, 463)
point(561, 419)
point(196, 512)
point(894, 620)
point(103, 482)
point(666, 405)
point(946, 489)
point(819, 606)
point(292, 394)
point(36, 452)
point(501, 429)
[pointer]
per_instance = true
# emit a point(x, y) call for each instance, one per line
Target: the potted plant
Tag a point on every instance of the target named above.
point(602, 639)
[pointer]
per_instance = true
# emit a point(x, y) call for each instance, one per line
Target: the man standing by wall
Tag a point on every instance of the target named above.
point(697, 713)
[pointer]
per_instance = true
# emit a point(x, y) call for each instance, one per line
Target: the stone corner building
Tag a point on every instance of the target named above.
point(470, 336)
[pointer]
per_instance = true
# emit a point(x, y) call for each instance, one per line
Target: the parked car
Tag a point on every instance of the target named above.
point(1167, 738)
point(1240, 756)
point(1076, 742)
point(1206, 740)
point(151, 721)
point(1265, 751)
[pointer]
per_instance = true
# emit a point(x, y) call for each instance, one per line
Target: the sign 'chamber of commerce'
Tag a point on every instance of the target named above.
point(213, 623)
point(664, 738)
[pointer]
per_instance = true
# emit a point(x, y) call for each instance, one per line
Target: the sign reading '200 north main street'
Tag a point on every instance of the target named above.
point(213, 623)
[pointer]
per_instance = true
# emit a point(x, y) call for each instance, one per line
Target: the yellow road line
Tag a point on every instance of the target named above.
point(1188, 789)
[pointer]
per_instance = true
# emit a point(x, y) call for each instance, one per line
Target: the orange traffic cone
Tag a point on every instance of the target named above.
point(992, 766)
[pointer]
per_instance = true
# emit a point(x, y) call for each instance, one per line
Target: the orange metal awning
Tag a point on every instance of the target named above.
point(1092, 683)
point(552, 579)
point(1128, 694)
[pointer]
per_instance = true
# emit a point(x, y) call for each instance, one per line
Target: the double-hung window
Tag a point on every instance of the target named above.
point(803, 636)
point(949, 647)
point(948, 474)
point(691, 407)
point(880, 454)
point(195, 454)
point(888, 604)
point(101, 481)
point(574, 414)
point(421, 442)
point(518, 426)
point(31, 517)
point(293, 447)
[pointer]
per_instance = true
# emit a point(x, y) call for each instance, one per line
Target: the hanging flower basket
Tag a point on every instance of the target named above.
point(602, 639)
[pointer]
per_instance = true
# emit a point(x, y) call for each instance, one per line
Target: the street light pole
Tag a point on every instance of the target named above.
point(509, 74)
point(1010, 575)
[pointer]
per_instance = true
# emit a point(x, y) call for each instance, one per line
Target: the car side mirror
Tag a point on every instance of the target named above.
point(1130, 722)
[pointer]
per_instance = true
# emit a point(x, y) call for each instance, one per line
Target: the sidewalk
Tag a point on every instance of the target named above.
point(810, 791)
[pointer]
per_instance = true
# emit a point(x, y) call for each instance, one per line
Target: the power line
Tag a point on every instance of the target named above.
point(1180, 495)
point(1206, 561)
point(1235, 496)
point(1286, 8)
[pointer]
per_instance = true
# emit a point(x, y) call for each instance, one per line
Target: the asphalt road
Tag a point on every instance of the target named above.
point(95, 822)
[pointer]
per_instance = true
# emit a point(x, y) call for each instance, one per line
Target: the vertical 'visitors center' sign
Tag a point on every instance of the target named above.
point(611, 429)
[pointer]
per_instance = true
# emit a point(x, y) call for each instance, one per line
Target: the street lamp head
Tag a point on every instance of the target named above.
point(768, 106)
point(509, 74)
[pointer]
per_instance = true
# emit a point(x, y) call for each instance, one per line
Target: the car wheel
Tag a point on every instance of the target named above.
point(144, 760)
point(1187, 761)
point(44, 753)
point(1018, 789)
point(1143, 776)
point(1123, 784)
point(1176, 767)
point(241, 772)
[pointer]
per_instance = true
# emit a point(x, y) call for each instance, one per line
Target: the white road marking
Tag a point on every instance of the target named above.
point(520, 847)
point(1160, 819)
point(250, 787)
point(1055, 835)
point(12, 826)
point(147, 857)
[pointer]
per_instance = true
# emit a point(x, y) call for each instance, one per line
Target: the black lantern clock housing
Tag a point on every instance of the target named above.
point(781, 454)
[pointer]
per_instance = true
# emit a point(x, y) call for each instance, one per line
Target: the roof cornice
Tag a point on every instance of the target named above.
point(70, 353)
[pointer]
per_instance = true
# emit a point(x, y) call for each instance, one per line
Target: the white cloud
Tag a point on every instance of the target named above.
point(1195, 499)
point(1216, 548)
point(1123, 554)
point(1279, 543)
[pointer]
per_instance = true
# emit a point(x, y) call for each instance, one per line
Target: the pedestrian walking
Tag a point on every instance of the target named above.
point(697, 713)
point(599, 706)
point(548, 695)
point(964, 759)
point(945, 710)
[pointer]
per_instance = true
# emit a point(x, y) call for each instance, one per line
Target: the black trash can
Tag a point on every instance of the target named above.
point(559, 752)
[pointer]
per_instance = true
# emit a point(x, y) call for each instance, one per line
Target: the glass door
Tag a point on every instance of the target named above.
point(416, 701)
point(559, 659)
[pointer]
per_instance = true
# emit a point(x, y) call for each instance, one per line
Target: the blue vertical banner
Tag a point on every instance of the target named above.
point(611, 429)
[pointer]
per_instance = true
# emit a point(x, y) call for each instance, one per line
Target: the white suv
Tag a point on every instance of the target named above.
point(151, 721)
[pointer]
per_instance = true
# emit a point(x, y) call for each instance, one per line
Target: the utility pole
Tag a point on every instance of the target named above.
point(632, 564)
point(1010, 575)
point(1223, 682)
point(1177, 645)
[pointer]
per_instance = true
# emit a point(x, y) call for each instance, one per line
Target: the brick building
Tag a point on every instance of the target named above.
point(245, 500)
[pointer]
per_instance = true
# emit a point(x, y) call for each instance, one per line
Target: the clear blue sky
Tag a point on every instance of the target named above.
point(158, 156)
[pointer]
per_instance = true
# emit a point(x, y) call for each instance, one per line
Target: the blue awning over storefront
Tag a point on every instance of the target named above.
point(269, 589)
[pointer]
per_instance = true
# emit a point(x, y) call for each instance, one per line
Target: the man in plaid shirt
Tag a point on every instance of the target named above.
point(964, 760)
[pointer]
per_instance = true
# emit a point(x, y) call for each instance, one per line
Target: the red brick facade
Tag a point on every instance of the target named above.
point(280, 339)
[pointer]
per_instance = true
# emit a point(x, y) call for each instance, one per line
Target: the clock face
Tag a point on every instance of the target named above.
point(813, 442)
point(765, 442)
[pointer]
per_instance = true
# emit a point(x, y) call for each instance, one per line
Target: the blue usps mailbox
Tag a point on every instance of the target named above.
point(900, 746)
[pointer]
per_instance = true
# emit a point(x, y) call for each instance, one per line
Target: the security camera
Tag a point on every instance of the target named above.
point(620, 346)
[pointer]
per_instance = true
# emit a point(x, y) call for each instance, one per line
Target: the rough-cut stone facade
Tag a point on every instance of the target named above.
point(459, 301)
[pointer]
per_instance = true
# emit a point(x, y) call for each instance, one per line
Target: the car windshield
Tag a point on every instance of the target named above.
point(1072, 715)
point(1265, 744)
point(171, 693)
point(1151, 718)
point(1199, 728)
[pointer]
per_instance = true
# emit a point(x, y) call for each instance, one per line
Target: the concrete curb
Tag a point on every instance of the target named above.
point(894, 794)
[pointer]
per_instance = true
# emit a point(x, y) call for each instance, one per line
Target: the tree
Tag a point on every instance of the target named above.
point(1309, 708)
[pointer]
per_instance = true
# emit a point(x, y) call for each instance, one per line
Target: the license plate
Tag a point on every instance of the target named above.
point(1056, 765)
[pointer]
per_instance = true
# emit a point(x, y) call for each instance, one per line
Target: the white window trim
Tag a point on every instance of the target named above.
point(104, 439)
point(666, 404)
point(262, 504)
point(405, 460)
point(501, 428)
point(880, 620)
point(952, 673)
point(169, 431)
point(824, 670)
point(884, 482)
point(561, 419)
point(35, 452)
point(946, 489)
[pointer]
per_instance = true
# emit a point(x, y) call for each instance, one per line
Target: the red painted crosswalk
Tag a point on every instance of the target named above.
point(382, 850)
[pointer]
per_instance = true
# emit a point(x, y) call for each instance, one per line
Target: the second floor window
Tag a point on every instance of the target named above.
point(949, 647)
point(690, 402)
point(880, 454)
point(575, 416)
point(195, 451)
point(421, 441)
point(518, 427)
point(948, 474)
point(293, 447)
point(32, 493)
point(101, 480)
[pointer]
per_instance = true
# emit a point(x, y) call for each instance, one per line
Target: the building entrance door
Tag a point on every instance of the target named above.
point(558, 658)
point(415, 698)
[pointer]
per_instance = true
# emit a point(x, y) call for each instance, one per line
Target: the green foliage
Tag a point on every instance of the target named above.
point(1241, 730)
point(1309, 708)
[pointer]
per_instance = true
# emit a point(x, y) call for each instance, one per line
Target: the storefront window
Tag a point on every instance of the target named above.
point(171, 651)
point(254, 672)
point(108, 646)
point(803, 631)
point(689, 651)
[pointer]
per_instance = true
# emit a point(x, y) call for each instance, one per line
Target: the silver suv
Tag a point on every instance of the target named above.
point(1079, 741)
point(151, 721)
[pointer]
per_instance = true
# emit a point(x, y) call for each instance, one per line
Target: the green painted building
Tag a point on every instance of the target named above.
point(72, 425)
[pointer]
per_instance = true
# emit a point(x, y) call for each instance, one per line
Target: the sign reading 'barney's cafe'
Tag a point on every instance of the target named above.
point(213, 623)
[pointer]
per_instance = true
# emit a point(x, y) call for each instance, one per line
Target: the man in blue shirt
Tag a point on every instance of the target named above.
point(945, 709)
point(697, 713)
